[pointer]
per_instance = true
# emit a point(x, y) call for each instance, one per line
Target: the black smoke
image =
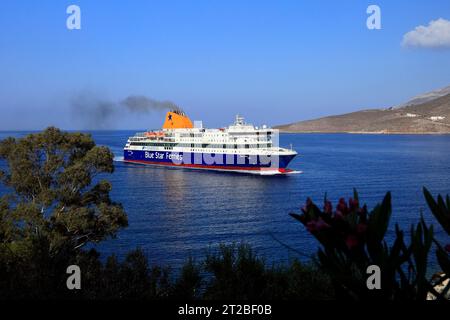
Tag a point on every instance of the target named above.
point(145, 104)
point(96, 112)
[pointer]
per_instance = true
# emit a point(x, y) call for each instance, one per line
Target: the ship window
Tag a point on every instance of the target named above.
point(247, 146)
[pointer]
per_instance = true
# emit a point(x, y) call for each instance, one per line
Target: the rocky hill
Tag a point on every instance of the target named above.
point(432, 116)
point(426, 97)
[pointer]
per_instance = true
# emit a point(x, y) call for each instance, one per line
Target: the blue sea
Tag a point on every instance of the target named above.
point(176, 213)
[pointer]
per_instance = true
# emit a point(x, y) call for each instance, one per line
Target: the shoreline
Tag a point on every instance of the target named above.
point(280, 130)
point(367, 133)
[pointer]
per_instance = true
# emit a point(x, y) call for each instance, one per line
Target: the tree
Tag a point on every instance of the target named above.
point(58, 197)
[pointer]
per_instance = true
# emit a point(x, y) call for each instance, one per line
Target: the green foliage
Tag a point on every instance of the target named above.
point(352, 239)
point(51, 174)
point(41, 277)
point(189, 283)
point(59, 204)
point(441, 211)
point(299, 281)
point(238, 273)
point(132, 278)
point(55, 209)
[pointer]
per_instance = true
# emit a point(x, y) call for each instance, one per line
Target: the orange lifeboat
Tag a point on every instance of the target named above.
point(154, 134)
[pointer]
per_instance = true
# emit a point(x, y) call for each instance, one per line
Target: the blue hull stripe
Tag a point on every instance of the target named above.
point(222, 161)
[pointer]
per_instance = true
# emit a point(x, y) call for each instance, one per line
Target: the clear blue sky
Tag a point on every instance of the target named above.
point(272, 61)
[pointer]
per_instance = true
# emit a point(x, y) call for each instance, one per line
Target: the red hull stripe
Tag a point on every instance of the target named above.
point(189, 165)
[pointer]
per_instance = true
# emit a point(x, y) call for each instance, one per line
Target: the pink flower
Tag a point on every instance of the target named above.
point(342, 206)
point(338, 215)
point(327, 208)
point(354, 204)
point(320, 225)
point(351, 241)
point(317, 225)
point(311, 226)
point(361, 228)
point(362, 212)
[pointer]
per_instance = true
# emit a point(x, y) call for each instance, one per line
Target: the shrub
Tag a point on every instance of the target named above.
point(352, 239)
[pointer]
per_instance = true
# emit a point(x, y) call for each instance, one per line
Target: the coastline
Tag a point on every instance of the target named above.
point(367, 132)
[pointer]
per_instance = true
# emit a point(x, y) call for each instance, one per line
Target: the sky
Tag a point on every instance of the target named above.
point(274, 62)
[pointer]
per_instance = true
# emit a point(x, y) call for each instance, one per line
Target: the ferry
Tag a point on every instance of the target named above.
point(240, 147)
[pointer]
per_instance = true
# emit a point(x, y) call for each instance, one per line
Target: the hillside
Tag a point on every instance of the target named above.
point(428, 117)
point(426, 97)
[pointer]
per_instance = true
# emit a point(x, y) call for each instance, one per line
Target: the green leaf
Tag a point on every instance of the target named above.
point(379, 219)
point(440, 211)
point(355, 194)
point(296, 216)
point(444, 260)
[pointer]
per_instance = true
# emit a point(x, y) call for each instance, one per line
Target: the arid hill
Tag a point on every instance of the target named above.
point(428, 117)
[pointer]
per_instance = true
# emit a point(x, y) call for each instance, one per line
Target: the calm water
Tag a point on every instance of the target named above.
point(174, 213)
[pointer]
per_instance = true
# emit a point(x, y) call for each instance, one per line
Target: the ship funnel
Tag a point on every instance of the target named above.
point(177, 119)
